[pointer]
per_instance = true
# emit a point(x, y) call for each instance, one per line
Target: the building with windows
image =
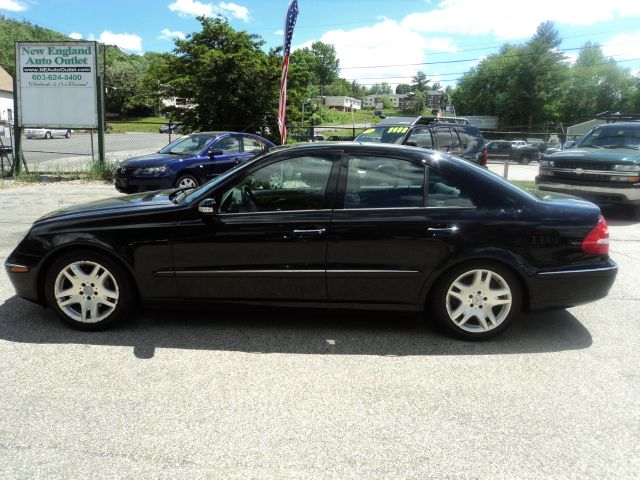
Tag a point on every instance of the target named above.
point(342, 103)
point(6, 96)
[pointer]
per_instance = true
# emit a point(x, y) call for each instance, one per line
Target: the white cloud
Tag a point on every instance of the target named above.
point(12, 5)
point(126, 41)
point(75, 36)
point(194, 8)
point(191, 7)
point(166, 34)
point(623, 47)
point(383, 44)
point(515, 19)
point(571, 57)
point(236, 11)
point(279, 33)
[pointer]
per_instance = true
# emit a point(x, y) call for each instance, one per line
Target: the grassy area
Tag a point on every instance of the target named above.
point(135, 124)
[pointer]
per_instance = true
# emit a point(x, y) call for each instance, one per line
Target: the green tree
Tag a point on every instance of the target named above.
point(522, 84)
point(228, 78)
point(380, 89)
point(403, 88)
point(595, 84)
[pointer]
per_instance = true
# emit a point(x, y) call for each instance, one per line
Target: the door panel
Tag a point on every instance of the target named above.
point(385, 254)
point(253, 256)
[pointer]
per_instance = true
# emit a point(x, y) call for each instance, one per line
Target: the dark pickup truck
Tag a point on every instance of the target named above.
point(603, 168)
point(512, 151)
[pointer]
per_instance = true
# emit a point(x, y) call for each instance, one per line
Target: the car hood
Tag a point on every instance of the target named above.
point(153, 160)
point(598, 155)
point(114, 206)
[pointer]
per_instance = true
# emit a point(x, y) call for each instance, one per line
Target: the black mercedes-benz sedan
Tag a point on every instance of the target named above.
point(342, 225)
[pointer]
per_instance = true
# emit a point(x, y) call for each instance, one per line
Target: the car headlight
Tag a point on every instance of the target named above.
point(153, 170)
point(626, 168)
point(547, 163)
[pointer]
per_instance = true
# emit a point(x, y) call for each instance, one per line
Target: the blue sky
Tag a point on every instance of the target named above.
point(376, 40)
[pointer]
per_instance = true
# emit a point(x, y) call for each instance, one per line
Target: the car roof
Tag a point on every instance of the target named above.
point(422, 120)
point(380, 148)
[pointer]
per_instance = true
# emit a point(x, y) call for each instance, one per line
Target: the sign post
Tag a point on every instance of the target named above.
point(57, 86)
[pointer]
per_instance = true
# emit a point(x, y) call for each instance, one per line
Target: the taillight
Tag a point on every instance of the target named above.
point(485, 157)
point(597, 241)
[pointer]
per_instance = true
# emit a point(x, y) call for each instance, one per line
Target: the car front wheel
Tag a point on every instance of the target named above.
point(67, 134)
point(476, 301)
point(186, 181)
point(48, 135)
point(89, 290)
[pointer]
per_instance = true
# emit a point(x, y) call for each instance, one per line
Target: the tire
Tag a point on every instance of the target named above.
point(186, 181)
point(525, 160)
point(48, 135)
point(89, 290)
point(67, 134)
point(460, 309)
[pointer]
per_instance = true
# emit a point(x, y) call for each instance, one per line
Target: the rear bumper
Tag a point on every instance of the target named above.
point(563, 288)
point(628, 194)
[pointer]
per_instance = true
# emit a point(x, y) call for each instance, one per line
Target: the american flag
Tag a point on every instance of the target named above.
point(289, 24)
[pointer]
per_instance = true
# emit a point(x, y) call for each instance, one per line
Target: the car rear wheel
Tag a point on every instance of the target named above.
point(476, 301)
point(89, 290)
point(67, 134)
point(48, 135)
point(525, 160)
point(186, 181)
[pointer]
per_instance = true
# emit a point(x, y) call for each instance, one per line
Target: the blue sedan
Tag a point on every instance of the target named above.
point(189, 161)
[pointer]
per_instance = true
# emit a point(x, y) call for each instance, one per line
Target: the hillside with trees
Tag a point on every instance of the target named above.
point(12, 31)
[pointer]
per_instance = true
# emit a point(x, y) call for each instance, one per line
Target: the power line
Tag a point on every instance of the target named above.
point(482, 58)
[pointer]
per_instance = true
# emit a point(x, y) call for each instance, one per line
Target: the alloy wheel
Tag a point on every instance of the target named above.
point(478, 300)
point(86, 291)
point(187, 182)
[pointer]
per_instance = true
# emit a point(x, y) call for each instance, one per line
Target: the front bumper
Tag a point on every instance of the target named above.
point(569, 287)
point(26, 283)
point(142, 184)
point(627, 194)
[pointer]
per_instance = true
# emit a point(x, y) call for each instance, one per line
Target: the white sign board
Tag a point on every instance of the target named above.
point(57, 84)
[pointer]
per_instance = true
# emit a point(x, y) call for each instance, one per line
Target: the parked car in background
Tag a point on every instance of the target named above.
point(47, 133)
point(171, 128)
point(448, 134)
point(188, 161)
point(506, 150)
point(604, 167)
point(343, 225)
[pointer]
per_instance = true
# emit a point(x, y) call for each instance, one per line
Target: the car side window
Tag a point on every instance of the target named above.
point(251, 145)
point(383, 182)
point(445, 140)
point(297, 183)
point(446, 192)
point(228, 145)
point(421, 137)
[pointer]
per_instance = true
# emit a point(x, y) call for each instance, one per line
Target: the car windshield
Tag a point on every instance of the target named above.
point(388, 134)
point(193, 194)
point(190, 144)
point(612, 136)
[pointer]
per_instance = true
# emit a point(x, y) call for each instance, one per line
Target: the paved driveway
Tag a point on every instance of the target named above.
point(290, 394)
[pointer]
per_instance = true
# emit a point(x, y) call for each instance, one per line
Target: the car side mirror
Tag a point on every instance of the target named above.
point(207, 207)
point(215, 152)
point(411, 144)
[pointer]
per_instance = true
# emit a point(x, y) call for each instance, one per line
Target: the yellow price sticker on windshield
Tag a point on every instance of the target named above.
point(369, 130)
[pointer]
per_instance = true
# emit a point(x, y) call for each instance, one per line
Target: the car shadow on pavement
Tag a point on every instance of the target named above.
point(292, 331)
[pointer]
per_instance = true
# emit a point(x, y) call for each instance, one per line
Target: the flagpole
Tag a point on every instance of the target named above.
point(290, 18)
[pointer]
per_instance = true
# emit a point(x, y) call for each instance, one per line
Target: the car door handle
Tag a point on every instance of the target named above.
point(452, 229)
point(317, 232)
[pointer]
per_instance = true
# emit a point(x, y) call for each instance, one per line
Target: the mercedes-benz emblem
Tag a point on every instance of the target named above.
point(123, 170)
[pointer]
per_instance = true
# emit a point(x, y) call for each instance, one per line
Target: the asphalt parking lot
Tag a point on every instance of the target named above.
point(299, 394)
